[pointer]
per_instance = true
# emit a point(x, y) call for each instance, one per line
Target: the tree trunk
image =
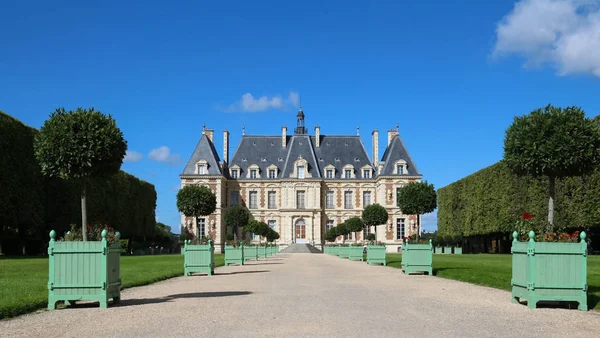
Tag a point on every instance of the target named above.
point(83, 213)
point(418, 228)
point(551, 202)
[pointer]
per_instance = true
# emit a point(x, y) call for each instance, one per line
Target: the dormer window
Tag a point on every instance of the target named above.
point(300, 171)
point(400, 167)
point(329, 173)
point(366, 173)
point(253, 171)
point(272, 173)
point(234, 173)
point(202, 167)
point(347, 173)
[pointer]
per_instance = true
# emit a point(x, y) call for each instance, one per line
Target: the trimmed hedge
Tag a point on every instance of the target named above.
point(493, 199)
point(32, 204)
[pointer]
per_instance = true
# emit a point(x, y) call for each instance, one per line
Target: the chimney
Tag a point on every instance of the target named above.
point(226, 146)
point(391, 134)
point(375, 135)
point(209, 133)
point(283, 136)
point(318, 136)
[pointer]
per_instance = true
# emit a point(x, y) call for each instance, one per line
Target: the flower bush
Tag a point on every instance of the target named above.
point(200, 240)
point(526, 224)
point(94, 233)
point(412, 239)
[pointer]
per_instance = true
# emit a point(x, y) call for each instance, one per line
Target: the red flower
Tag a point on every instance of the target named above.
point(527, 216)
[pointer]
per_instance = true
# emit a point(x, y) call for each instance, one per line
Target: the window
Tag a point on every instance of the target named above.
point(201, 169)
point(300, 171)
point(348, 173)
point(272, 200)
point(272, 173)
point(234, 197)
point(300, 199)
point(201, 224)
point(329, 173)
point(328, 225)
point(253, 173)
point(272, 224)
point(329, 200)
point(349, 237)
point(400, 169)
point(367, 230)
point(366, 198)
point(348, 199)
point(253, 200)
point(399, 229)
point(366, 173)
point(234, 174)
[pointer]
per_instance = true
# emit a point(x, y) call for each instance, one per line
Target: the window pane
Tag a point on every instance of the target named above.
point(271, 200)
point(253, 200)
point(300, 171)
point(348, 173)
point(234, 197)
point(348, 199)
point(300, 199)
point(399, 228)
point(234, 174)
point(201, 224)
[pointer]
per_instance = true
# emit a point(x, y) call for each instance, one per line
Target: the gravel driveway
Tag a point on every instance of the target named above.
point(302, 295)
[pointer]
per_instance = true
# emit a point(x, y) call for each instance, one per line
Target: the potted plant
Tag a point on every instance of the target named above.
point(199, 256)
point(250, 251)
point(234, 253)
point(417, 256)
point(458, 245)
point(355, 252)
point(448, 244)
point(376, 252)
point(437, 243)
point(89, 270)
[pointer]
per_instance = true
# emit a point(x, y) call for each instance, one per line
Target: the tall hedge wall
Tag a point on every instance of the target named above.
point(32, 204)
point(493, 199)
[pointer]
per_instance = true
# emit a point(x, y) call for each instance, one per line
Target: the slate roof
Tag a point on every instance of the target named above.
point(205, 150)
point(340, 151)
point(395, 152)
point(262, 151)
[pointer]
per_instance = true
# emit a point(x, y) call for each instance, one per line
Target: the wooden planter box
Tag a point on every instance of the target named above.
point(417, 258)
point(262, 251)
point(549, 271)
point(344, 252)
point(199, 258)
point(250, 252)
point(447, 250)
point(376, 254)
point(269, 251)
point(438, 250)
point(234, 255)
point(335, 250)
point(84, 271)
point(355, 253)
point(276, 249)
point(326, 249)
point(458, 250)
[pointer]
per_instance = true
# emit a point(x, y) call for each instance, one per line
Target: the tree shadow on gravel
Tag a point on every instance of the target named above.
point(143, 301)
point(266, 263)
point(239, 272)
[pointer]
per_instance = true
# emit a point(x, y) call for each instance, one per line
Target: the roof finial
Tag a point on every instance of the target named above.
point(243, 130)
point(204, 126)
point(396, 126)
point(357, 130)
point(300, 101)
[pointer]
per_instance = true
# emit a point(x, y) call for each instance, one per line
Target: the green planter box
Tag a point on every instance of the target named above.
point(276, 249)
point(438, 250)
point(269, 251)
point(234, 255)
point(262, 251)
point(458, 250)
point(355, 253)
point(250, 252)
point(417, 258)
point(344, 252)
point(447, 250)
point(84, 271)
point(376, 254)
point(335, 251)
point(326, 249)
point(199, 258)
point(549, 271)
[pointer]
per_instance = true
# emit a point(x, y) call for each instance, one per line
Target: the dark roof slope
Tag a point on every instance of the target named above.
point(205, 150)
point(300, 145)
point(394, 152)
point(340, 151)
point(262, 151)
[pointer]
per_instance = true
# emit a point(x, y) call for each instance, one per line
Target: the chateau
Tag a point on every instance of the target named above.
point(301, 184)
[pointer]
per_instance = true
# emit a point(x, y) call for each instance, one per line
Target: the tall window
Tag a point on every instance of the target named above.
point(366, 198)
point(329, 200)
point(234, 174)
point(348, 173)
point(329, 173)
point(253, 200)
point(300, 199)
point(348, 199)
point(366, 173)
point(399, 228)
point(300, 171)
point(272, 200)
point(272, 173)
point(367, 230)
point(400, 169)
point(201, 169)
point(272, 224)
point(329, 225)
point(253, 173)
point(201, 224)
point(234, 197)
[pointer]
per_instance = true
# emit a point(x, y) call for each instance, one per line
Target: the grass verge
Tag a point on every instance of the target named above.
point(495, 271)
point(23, 281)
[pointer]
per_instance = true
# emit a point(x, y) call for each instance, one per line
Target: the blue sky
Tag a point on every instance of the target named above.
point(451, 74)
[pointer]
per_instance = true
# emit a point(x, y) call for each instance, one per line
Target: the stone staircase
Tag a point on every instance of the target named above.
point(300, 248)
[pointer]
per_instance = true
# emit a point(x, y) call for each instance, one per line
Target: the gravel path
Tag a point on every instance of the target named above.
point(302, 295)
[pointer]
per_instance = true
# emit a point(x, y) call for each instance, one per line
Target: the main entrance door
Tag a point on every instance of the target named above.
point(300, 231)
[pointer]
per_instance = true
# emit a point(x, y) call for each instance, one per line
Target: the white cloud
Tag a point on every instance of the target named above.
point(250, 104)
point(429, 221)
point(562, 33)
point(132, 156)
point(163, 154)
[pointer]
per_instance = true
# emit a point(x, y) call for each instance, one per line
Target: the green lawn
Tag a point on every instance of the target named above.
point(495, 271)
point(23, 281)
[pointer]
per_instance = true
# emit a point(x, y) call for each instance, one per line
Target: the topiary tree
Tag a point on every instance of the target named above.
point(331, 235)
point(417, 198)
point(271, 235)
point(552, 142)
point(355, 224)
point(342, 230)
point(195, 201)
point(236, 217)
point(374, 215)
point(80, 145)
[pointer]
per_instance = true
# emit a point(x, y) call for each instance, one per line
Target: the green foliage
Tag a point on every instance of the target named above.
point(370, 237)
point(342, 229)
point(355, 224)
point(417, 198)
point(236, 217)
point(80, 144)
point(374, 214)
point(94, 233)
point(331, 235)
point(193, 200)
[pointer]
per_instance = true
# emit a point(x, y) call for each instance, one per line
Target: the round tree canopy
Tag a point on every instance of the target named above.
point(417, 198)
point(355, 224)
point(375, 214)
point(193, 200)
